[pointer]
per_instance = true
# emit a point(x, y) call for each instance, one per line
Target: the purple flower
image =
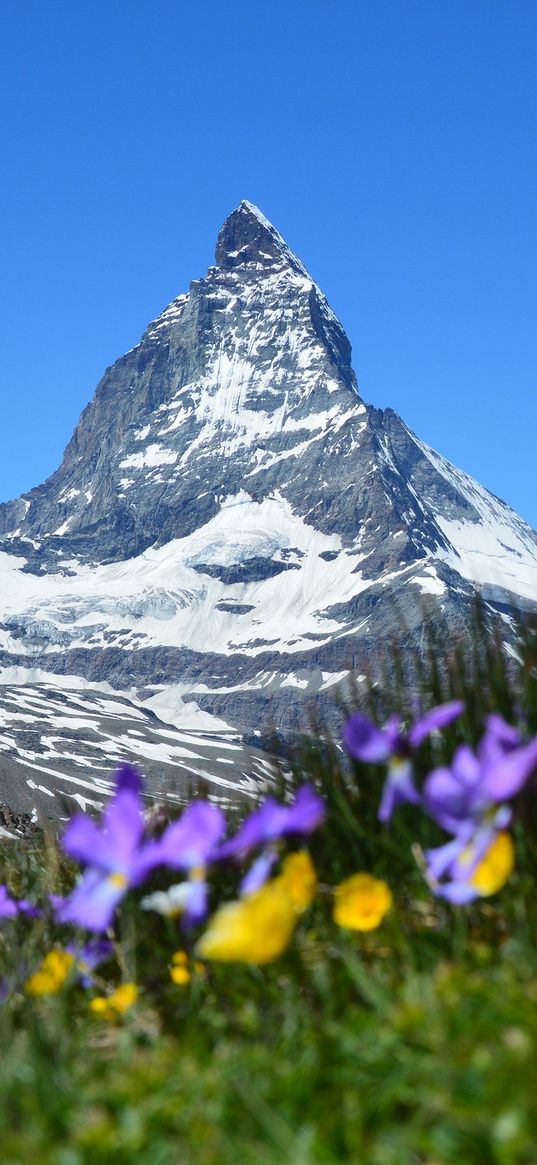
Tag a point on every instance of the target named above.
point(470, 801)
point(272, 821)
point(114, 854)
point(450, 867)
point(398, 788)
point(190, 844)
point(11, 907)
point(394, 745)
point(505, 776)
point(191, 841)
point(499, 738)
point(88, 957)
point(266, 826)
point(476, 783)
point(453, 796)
point(368, 743)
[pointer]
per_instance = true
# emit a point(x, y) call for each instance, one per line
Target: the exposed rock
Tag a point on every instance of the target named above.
point(232, 532)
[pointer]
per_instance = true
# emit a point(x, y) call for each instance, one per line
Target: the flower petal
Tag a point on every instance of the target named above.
point(440, 860)
point(438, 717)
point(365, 741)
point(509, 774)
point(93, 901)
point(258, 873)
point(398, 788)
point(261, 826)
point(304, 815)
point(450, 800)
point(190, 841)
point(9, 908)
point(458, 893)
point(127, 777)
point(272, 821)
point(124, 825)
point(87, 843)
point(256, 929)
point(197, 905)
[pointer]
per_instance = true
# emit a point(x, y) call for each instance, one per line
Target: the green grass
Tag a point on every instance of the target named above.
point(415, 1044)
point(343, 1051)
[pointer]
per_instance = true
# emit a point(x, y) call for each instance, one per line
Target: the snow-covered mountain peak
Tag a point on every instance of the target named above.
point(233, 529)
point(247, 237)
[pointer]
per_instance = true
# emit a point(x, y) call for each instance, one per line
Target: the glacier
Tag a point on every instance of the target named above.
point(231, 534)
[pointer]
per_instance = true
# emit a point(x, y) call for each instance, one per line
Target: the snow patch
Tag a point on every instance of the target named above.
point(153, 455)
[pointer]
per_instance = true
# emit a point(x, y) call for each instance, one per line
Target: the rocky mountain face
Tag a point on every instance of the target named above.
point(231, 533)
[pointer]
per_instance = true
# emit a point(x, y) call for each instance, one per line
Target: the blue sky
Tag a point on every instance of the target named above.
point(392, 143)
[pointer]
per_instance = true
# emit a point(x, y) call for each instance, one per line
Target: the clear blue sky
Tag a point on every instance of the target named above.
point(392, 142)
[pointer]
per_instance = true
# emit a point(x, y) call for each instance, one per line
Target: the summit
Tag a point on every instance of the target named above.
point(232, 533)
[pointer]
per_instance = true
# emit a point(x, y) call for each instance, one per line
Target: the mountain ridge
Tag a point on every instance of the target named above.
point(231, 521)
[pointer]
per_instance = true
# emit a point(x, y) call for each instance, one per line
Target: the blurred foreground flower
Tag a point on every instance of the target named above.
point(268, 825)
point(474, 874)
point(298, 879)
point(188, 844)
point(11, 907)
point(181, 971)
point(88, 957)
point(52, 973)
point(258, 927)
point(470, 800)
point(114, 854)
point(493, 871)
point(171, 903)
point(255, 929)
point(116, 1004)
point(460, 796)
point(394, 745)
point(361, 902)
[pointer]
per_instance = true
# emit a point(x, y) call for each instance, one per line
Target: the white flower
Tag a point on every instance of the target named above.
point(169, 902)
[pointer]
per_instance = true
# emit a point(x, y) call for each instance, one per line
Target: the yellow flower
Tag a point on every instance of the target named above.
point(361, 902)
point(179, 970)
point(124, 997)
point(52, 972)
point(496, 866)
point(255, 929)
point(110, 1006)
point(298, 879)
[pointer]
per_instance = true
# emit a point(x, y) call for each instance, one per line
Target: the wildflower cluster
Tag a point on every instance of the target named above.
point(473, 801)
point(119, 855)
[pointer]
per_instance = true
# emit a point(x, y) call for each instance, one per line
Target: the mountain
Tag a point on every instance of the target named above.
point(231, 533)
